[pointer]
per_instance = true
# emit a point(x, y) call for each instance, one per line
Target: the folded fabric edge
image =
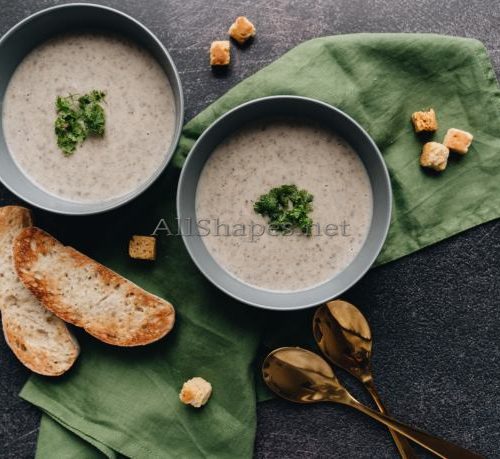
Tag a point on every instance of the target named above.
point(69, 444)
point(440, 234)
point(83, 428)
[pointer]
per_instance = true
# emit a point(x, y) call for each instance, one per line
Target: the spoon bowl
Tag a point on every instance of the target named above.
point(301, 376)
point(343, 335)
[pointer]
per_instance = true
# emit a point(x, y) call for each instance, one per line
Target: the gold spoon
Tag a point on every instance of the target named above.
point(343, 335)
point(302, 376)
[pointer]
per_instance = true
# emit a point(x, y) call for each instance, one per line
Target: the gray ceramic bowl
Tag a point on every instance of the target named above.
point(308, 109)
point(35, 29)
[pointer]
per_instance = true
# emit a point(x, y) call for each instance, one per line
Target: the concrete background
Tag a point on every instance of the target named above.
point(434, 315)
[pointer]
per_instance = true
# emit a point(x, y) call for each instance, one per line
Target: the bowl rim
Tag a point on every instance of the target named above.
point(111, 204)
point(361, 272)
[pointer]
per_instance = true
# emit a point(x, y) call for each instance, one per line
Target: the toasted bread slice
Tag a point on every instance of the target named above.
point(87, 294)
point(39, 339)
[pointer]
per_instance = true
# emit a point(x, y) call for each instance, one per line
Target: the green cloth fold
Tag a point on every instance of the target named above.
point(125, 401)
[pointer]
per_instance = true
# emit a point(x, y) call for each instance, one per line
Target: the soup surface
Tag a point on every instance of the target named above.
point(269, 154)
point(139, 108)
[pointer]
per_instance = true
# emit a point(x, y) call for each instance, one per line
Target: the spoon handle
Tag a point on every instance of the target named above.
point(438, 446)
point(402, 444)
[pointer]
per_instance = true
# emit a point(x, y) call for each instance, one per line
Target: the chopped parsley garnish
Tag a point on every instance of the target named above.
point(287, 208)
point(77, 118)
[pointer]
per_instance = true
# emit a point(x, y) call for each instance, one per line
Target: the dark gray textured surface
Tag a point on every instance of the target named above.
point(435, 314)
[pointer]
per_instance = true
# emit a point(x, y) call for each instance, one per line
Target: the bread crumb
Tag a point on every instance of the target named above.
point(220, 53)
point(435, 156)
point(424, 121)
point(241, 30)
point(195, 392)
point(458, 141)
point(142, 248)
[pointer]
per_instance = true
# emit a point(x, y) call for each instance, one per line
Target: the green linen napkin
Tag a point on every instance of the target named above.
point(124, 401)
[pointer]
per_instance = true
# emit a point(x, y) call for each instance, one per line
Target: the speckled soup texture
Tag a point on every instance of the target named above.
point(139, 109)
point(266, 155)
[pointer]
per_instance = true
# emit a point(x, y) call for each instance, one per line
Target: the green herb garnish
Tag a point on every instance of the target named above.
point(77, 118)
point(287, 207)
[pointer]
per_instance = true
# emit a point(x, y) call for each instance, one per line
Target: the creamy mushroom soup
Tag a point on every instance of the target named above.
point(139, 108)
point(265, 155)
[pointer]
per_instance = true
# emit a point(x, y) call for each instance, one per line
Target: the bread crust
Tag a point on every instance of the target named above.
point(40, 340)
point(85, 293)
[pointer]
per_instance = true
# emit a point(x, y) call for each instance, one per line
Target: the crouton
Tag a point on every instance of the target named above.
point(142, 247)
point(435, 156)
point(241, 30)
point(195, 392)
point(220, 53)
point(424, 121)
point(458, 141)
